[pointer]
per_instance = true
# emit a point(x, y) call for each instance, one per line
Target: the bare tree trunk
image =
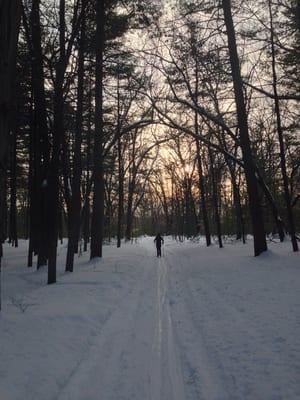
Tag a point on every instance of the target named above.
point(10, 12)
point(86, 211)
point(120, 194)
point(39, 139)
point(3, 221)
point(98, 199)
point(199, 162)
point(202, 195)
point(31, 185)
point(129, 216)
point(281, 141)
point(120, 173)
point(240, 228)
point(190, 217)
point(86, 207)
point(75, 206)
point(13, 235)
point(260, 244)
point(215, 197)
point(53, 203)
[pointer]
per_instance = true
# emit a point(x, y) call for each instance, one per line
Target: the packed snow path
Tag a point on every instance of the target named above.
point(134, 355)
point(197, 323)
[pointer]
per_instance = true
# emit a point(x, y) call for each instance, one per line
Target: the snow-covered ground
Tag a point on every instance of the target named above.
point(199, 323)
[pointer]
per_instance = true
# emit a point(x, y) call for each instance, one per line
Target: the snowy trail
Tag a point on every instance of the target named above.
point(137, 344)
point(196, 324)
point(205, 378)
point(116, 363)
point(166, 375)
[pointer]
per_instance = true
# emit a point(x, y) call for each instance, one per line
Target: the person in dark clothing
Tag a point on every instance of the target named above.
point(158, 241)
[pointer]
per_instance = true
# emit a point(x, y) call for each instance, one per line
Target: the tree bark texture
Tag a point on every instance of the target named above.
point(75, 206)
point(10, 13)
point(53, 203)
point(260, 244)
point(97, 223)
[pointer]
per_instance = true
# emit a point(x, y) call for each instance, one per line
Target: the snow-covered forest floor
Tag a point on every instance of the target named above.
point(199, 323)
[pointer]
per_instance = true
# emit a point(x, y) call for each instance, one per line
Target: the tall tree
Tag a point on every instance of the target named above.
point(98, 173)
point(10, 13)
point(260, 244)
point(281, 138)
point(39, 138)
point(74, 222)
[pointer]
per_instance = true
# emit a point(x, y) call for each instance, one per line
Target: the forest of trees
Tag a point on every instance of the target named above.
point(124, 118)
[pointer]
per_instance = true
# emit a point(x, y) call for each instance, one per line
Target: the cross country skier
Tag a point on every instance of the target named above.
point(158, 241)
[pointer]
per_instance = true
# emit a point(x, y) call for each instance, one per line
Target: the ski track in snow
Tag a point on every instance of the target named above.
point(137, 343)
point(204, 378)
point(120, 346)
point(166, 381)
point(178, 327)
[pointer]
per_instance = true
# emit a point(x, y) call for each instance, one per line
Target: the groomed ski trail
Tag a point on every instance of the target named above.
point(134, 355)
point(166, 376)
